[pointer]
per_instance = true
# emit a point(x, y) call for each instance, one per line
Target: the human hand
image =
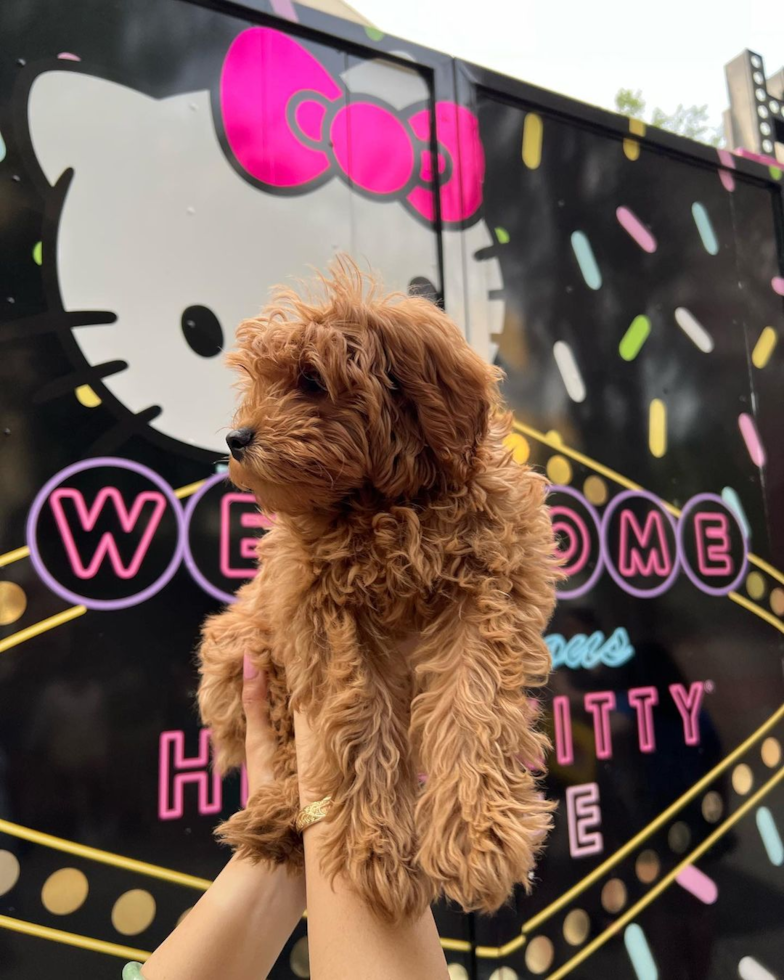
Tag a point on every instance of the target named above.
point(259, 736)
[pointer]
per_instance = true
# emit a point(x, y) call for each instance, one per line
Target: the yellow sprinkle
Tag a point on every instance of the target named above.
point(559, 470)
point(637, 126)
point(764, 347)
point(657, 428)
point(519, 446)
point(595, 490)
point(87, 396)
point(532, 141)
point(631, 148)
point(755, 585)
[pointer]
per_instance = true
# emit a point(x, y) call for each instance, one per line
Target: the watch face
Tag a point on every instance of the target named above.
point(162, 170)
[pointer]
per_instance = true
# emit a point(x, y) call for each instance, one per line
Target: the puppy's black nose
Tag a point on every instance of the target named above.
point(238, 441)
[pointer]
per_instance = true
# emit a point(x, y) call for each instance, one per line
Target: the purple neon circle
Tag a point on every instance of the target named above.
point(702, 586)
point(616, 575)
point(591, 581)
point(46, 576)
point(190, 562)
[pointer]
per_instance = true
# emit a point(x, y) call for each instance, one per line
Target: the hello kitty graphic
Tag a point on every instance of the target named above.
point(180, 213)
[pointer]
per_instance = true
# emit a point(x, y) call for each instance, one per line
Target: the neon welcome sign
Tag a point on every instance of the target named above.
point(109, 533)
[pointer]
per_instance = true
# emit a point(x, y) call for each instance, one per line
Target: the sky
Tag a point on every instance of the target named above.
point(672, 50)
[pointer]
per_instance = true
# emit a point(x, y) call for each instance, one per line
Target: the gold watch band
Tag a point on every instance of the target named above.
point(312, 813)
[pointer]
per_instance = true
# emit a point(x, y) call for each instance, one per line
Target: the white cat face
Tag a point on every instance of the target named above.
point(159, 229)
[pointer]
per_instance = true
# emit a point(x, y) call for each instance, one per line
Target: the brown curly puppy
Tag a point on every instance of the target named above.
point(400, 599)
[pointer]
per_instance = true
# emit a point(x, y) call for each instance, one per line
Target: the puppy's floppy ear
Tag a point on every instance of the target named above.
point(448, 387)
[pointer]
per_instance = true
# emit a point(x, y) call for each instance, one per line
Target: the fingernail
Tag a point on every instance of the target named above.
point(249, 670)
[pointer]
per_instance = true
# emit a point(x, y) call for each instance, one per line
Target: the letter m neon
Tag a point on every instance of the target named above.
point(107, 546)
point(633, 559)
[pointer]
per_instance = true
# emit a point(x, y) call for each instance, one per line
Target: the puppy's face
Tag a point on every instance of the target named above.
point(355, 393)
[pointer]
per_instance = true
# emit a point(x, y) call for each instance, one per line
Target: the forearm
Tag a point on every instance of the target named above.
point(346, 939)
point(237, 928)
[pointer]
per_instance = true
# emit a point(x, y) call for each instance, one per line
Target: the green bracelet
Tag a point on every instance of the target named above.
point(132, 971)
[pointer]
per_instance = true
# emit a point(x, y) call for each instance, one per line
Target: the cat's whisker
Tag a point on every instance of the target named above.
point(54, 322)
point(84, 376)
point(121, 432)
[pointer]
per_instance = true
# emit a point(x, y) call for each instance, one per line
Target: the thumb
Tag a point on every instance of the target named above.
point(254, 698)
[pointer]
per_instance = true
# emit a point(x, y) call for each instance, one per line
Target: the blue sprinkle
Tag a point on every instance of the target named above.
point(586, 260)
point(705, 228)
point(640, 953)
point(732, 500)
point(771, 838)
point(221, 468)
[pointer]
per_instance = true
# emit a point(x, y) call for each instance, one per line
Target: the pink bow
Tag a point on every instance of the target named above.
point(292, 126)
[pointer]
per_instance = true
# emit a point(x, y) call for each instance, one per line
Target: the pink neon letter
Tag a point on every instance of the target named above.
point(713, 559)
point(689, 707)
point(631, 560)
point(583, 814)
point(107, 545)
point(600, 704)
point(171, 757)
point(249, 518)
point(562, 718)
point(642, 699)
point(577, 551)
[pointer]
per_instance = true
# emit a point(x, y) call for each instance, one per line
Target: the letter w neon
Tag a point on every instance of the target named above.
point(107, 546)
point(632, 561)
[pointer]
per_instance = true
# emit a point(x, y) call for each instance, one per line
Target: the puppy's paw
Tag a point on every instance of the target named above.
point(264, 830)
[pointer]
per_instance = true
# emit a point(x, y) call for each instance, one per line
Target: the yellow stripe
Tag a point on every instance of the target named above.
point(188, 490)
point(104, 857)
point(46, 624)
point(72, 939)
point(11, 556)
point(496, 952)
point(654, 825)
point(667, 880)
point(757, 610)
point(457, 945)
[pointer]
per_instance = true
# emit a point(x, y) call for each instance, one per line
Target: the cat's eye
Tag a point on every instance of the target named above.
point(202, 331)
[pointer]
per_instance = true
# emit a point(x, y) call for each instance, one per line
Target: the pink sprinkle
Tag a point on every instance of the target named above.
point(778, 285)
point(631, 223)
point(67, 56)
point(727, 180)
point(751, 438)
point(727, 159)
point(285, 8)
point(699, 884)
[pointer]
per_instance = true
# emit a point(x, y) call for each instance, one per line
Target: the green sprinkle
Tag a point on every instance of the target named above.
point(634, 338)
point(374, 33)
point(38, 252)
point(502, 235)
point(775, 172)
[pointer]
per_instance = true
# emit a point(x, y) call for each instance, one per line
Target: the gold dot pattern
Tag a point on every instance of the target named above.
point(457, 971)
point(539, 954)
point(504, 973)
point(299, 960)
point(595, 490)
point(13, 602)
point(65, 891)
point(647, 867)
point(777, 601)
point(712, 806)
point(576, 927)
point(679, 837)
point(519, 446)
point(755, 585)
point(771, 752)
point(742, 779)
point(614, 895)
point(133, 912)
point(559, 470)
point(184, 915)
point(9, 871)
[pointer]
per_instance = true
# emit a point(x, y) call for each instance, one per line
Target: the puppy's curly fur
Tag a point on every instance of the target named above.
point(400, 599)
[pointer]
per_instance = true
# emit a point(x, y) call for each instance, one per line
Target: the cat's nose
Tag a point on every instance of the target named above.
point(238, 441)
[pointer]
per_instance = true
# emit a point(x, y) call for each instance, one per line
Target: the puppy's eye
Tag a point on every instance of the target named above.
point(310, 382)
